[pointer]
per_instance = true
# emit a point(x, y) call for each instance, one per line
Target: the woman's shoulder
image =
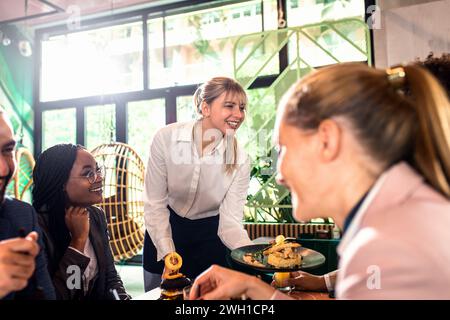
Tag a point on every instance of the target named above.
point(174, 132)
point(177, 127)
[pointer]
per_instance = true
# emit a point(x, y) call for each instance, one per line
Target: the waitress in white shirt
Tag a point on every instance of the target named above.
point(196, 185)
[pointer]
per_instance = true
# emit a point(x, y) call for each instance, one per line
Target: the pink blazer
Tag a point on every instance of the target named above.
point(400, 249)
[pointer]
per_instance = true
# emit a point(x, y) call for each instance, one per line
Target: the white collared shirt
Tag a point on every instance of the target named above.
point(194, 187)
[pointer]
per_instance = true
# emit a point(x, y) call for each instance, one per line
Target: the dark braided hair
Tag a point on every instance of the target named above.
point(50, 174)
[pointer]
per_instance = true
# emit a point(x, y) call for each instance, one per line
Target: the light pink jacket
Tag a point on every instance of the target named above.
point(398, 244)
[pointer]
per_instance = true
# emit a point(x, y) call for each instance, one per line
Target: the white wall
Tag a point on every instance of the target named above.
point(410, 30)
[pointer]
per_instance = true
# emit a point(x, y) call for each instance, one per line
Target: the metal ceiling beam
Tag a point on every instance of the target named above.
point(56, 9)
point(52, 5)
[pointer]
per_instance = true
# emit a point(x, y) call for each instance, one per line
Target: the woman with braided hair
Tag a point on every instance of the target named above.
point(355, 147)
point(67, 185)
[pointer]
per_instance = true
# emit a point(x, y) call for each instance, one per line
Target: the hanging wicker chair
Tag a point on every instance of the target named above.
point(122, 198)
point(23, 178)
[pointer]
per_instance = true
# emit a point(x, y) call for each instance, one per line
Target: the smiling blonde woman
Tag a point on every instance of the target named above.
point(196, 185)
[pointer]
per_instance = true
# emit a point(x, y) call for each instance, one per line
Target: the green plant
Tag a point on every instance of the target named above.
point(270, 202)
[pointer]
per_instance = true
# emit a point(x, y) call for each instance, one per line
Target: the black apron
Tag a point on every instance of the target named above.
point(195, 240)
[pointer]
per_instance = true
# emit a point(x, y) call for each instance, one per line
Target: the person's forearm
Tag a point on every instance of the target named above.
point(157, 225)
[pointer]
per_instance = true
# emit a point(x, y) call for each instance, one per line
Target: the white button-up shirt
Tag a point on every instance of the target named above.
point(194, 187)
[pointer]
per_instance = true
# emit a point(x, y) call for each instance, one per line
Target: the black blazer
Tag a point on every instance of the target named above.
point(14, 215)
point(106, 278)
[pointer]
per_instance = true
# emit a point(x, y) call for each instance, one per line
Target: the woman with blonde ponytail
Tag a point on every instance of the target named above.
point(371, 149)
point(196, 185)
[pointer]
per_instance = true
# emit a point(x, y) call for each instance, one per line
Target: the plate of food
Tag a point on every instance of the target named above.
point(281, 255)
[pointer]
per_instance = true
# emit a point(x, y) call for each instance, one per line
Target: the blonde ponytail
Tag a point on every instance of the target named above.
point(432, 144)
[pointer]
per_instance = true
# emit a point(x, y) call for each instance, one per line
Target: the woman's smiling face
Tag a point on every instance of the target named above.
point(80, 191)
point(225, 113)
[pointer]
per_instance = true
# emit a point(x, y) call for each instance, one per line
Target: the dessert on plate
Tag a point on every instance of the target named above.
point(173, 283)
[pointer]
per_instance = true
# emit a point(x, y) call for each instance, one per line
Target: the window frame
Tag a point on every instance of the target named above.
point(120, 100)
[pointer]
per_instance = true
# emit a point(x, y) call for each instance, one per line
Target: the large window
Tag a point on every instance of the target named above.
point(122, 80)
point(102, 71)
point(58, 126)
point(185, 109)
point(189, 48)
point(259, 117)
point(100, 125)
point(322, 45)
point(99, 61)
point(144, 119)
point(303, 12)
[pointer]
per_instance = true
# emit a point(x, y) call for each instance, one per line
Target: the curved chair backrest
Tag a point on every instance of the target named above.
point(122, 197)
point(23, 178)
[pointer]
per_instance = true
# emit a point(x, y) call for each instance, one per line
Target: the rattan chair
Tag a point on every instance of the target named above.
point(122, 198)
point(23, 178)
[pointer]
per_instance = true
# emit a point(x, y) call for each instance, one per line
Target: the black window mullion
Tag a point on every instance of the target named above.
point(164, 41)
point(367, 5)
point(283, 55)
point(171, 107)
point(80, 125)
point(38, 133)
point(262, 15)
point(121, 122)
point(145, 54)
